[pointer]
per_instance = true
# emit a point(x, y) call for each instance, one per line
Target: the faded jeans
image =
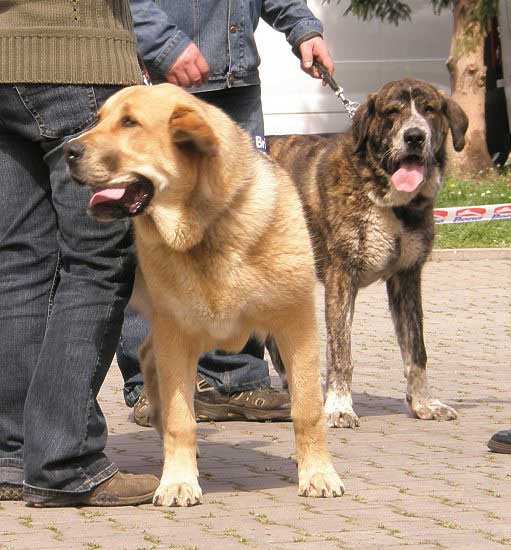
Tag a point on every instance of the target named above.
point(65, 281)
point(227, 372)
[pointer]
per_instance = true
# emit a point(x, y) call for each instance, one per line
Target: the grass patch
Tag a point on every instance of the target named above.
point(488, 234)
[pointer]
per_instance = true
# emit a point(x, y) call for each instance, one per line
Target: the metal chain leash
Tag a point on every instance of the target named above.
point(350, 106)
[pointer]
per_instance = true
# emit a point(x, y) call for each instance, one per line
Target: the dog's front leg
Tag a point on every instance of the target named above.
point(404, 293)
point(298, 343)
point(176, 360)
point(340, 293)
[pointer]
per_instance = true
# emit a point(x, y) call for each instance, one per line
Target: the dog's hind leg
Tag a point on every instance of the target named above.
point(340, 294)
point(276, 359)
point(176, 365)
point(404, 293)
point(297, 340)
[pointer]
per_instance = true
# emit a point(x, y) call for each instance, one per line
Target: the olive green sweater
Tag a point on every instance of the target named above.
point(67, 41)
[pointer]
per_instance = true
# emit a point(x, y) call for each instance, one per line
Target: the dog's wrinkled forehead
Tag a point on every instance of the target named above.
point(405, 92)
point(128, 102)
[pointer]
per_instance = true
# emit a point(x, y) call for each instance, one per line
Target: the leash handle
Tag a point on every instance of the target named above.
point(327, 77)
point(350, 106)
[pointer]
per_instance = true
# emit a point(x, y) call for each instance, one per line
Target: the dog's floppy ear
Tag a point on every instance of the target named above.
point(458, 122)
point(361, 120)
point(188, 128)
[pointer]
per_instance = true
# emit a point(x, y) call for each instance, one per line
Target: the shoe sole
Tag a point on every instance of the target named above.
point(61, 502)
point(498, 447)
point(218, 413)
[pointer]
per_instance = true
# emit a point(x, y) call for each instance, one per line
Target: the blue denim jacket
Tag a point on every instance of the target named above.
point(222, 29)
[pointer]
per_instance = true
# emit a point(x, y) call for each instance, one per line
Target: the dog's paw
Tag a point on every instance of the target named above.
point(178, 494)
point(339, 411)
point(342, 419)
point(431, 409)
point(321, 485)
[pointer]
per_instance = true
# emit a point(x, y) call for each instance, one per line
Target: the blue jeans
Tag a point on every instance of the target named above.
point(228, 373)
point(65, 281)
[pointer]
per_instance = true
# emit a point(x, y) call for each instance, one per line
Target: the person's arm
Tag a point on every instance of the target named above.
point(303, 31)
point(166, 50)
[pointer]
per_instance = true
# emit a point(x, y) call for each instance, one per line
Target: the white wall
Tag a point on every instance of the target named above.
point(366, 55)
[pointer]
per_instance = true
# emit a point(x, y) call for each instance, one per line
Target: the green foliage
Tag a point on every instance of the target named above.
point(392, 11)
point(487, 234)
point(473, 192)
point(483, 11)
point(395, 11)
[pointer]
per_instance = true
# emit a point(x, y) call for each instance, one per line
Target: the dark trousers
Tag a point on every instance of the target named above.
point(65, 281)
point(229, 373)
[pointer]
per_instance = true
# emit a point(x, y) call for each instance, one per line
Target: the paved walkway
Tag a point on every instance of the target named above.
point(411, 483)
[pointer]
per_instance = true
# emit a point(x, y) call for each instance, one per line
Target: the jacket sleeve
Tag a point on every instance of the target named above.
point(159, 40)
point(293, 18)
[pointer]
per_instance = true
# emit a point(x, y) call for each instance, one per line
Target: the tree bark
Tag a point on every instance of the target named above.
point(468, 79)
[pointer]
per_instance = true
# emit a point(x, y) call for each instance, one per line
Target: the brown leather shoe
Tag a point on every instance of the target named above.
point(8, 491)
point(122, 489)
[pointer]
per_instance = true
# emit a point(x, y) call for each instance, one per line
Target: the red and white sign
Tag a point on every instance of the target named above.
point(502, 212)
point(440, 215)
point(465, 214)
point(470, 214)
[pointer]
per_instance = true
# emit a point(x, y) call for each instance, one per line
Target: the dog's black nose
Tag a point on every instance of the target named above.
point(415, 137)
point(73, 151)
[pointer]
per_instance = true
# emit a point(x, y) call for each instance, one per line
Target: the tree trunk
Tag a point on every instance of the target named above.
point(468, 78)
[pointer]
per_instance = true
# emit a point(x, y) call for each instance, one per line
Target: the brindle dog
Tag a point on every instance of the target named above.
point(368, 197)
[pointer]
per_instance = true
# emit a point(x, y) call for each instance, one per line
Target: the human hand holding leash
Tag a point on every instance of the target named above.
point(190, 68)
point(315, 49)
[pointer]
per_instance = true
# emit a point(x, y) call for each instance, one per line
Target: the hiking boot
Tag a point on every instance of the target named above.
point(8, 491)
point(500, 442)
point(122, 489)
point(260, 404)
point(142, 411)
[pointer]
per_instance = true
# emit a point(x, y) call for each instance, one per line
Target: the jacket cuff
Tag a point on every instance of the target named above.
point(302, 39)
point(167, 57)
point(305, 29)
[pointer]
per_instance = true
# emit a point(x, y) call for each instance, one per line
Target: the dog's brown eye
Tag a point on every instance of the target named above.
point(429, 109)
point(392, 111)
point(128, 122)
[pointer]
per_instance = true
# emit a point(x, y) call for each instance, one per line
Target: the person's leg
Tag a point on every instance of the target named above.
point(134, 331)
point(28, 263)
point(232, 373)
point(238, 386)
point(64, 428)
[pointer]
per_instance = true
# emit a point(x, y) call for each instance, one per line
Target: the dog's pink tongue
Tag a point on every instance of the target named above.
point(408, 176)
point(104, 195)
